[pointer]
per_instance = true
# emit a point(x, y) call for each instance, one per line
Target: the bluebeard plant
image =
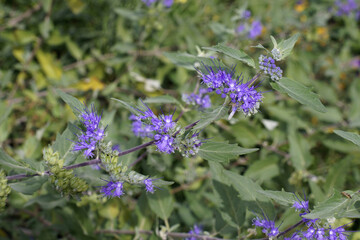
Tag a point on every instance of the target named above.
point(267, 64)
point(89, 139)
point(252, 29)
point(268, 226)
point(202, 100)
point(112, 189)
point(197, 230)
point(166, 3)
point(243, 95)
point(345, 8)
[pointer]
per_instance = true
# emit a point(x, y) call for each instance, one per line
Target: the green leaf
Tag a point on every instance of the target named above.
point(222, 152)
point(281, 197)
point(353, 137)
point(130, 14)
point(264, 170)
point(9, 163)
point(64, 145)
point(211, 116)
point(301, 93)
point(249, 193)
point(337, 206)
point(233, 53)
point(163, 100)
point(230, 204)
point(5, 112)
point(161, 203)
point(29, 186)
point(189, 61)
point(299, 150)
point(131, 107)
point(73, 102)
point(287, 45)
point(48, 201)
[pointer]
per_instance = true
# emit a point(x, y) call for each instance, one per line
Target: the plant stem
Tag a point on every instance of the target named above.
point(94, 161)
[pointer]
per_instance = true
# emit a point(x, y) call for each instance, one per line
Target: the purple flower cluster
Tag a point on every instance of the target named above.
point(196, 231)
point(244, 96)
point(267, 64)
point(268, 226)
point(161, 129)
point(347, 7)
point(252, 30)
point(314, 229)
point(92, 134)
point(112, 189)
point(166, 3)
point(149, 186)
point(202, 100)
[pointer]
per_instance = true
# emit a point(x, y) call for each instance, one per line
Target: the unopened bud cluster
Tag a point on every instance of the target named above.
point(190, 145)
point(63, 179)
point(4, 190)
point(267, 64)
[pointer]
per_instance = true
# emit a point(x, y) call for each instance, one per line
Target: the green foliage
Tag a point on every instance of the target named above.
point(4, 190)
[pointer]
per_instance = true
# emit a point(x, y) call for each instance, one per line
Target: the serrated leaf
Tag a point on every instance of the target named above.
point(299, 150)
point(131, 107)
point(189, 61)
point(29, 186)
point(281, 197)
point(161, 203)
point(47, 202)
point(233, 53)
point(336, 206)
point(222, 152)
point(352, 137)
point(235, 213)
point(287, 45)
point(9, 163)
point(64, 145)
point(301, 93)
point(248, 192)
point(163, 100)
point(73, 102)
point(211, 115)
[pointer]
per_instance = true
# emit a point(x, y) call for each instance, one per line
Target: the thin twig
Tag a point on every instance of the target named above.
point(142, 156)
point(14, 21)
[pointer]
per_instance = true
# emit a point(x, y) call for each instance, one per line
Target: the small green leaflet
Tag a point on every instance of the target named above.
point(353, 137)
point(163, 100)
point(63, 144)
point(222, 152)
point(188, 61)
point(161, 203)
point(211, 116)
point(249, 192)
point(29, 186)
point(281, 197)
point(337, 206)
point(73, 102)
point(301, 93)
point(287, 45)
point(11, 164)
point(131, 107)
point(233, 53)
point(129, 14)
point(235, 213)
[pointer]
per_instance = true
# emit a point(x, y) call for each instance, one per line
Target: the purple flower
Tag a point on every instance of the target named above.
point(164, 143)
point(268, 226)
point(149, 185)
point(112, 189)
point(246, 14)
point(309, 233)
point(92, 134)
point(244, 96)
point(196, 231)
point(301, 205)
point(240, 28)
point(267, 64)
point(202, 100)
point(255, 30)
point(168, 3)
point(148, 2)
point(345, 8)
